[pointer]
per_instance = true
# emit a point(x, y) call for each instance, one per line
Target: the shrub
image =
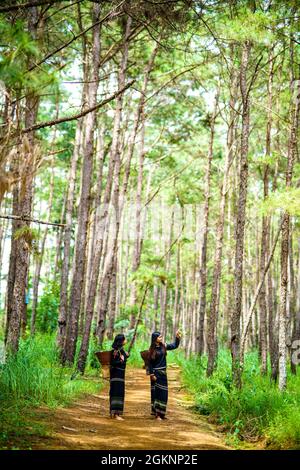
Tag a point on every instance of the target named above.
point(34, 377)
point(258, 410)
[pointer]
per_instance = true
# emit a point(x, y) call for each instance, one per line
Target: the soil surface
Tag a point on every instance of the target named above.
point(86, 425)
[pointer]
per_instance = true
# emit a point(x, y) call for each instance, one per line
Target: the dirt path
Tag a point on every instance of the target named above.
point(87, 425)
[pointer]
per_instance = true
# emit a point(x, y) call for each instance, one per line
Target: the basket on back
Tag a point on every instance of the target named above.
point(104, 357)
point(145, 357)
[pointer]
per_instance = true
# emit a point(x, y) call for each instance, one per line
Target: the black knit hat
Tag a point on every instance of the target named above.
point(118, 342)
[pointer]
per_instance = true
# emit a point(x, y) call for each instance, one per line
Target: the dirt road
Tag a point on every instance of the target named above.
point(87, 425)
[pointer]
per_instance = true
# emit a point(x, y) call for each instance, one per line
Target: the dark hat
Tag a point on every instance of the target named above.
point(154, 336)
point(118, 341)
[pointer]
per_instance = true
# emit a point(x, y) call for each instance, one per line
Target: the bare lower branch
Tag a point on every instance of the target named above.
point(28, 5)
point(54, 122)
point(34, 3)
point(28, 219)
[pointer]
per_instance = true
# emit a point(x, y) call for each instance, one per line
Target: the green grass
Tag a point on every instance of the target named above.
point(259, 410)
point(34, 378)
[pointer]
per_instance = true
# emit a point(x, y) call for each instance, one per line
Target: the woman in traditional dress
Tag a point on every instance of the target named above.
point(117, 377)
point(157, 367)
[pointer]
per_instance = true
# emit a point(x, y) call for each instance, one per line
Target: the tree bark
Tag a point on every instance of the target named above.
point(21, 246)
point(296, 319)
point(39, 261)
point(140, 119)
point(240, 219)
point(203, 265)
point(114, 168)
point(292, 154)
point(265, 224)
point(164, 287)
point(84, 204)
point(67, 236)
point(214, 304)
point(12, 257)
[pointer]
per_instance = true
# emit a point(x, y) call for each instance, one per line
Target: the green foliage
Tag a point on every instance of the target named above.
point(259, 410)
point(284, 431)
point(249, 25)
point(287, 199)
point(31, 378)
point(13, 60)
point(48, 307)
point(92, 361)
point(15, 50)
point(135, 359)
point(144, 275)
point(30, 235)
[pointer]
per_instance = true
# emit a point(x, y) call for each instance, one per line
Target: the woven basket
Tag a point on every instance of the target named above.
point(104, 357)
point(145, 356)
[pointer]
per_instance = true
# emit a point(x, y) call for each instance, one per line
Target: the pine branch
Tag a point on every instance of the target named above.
point(28, 219)
point(36, 3)
point(54, 122)
point(33, 3)
point(74, 38)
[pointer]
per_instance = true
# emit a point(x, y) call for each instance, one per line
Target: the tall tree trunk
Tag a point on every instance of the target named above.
point(40, 257)
point(100, 155)
point(155, 307)
point(3, 237)
point(12, 258)
point(265, 224)
point(67, 237)
point(240, 219)
point(292, 153)
point(140, 119)
point(84, 204)
point(177, 291)
point(229, 255)
point(21, 246)
point(113, 299)
point(296, 321)
point(114, 168)
point(272, 298)
point(63, 306)
point(59, 240)
point(164, 288)
point(214, 304)
point(273, 330)
point(203, 266)
point(116, 226)
point(104, 292)
point(39, 261)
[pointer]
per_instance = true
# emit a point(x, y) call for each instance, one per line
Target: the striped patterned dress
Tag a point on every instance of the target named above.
point(159, 388)
point(117, 381)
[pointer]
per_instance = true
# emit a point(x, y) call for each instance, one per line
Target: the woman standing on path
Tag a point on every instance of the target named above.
point(117, 377)
point(158, 373)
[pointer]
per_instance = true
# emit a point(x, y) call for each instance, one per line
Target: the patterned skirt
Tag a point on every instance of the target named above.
point(152, 385)
point(159, 393)
point(117, 390)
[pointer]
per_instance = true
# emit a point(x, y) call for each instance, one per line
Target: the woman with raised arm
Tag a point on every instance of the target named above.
point(157, 367)
point(117, 377)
